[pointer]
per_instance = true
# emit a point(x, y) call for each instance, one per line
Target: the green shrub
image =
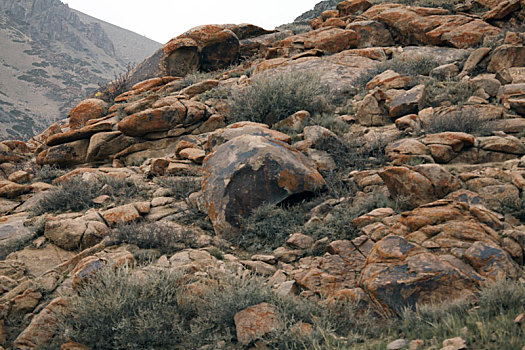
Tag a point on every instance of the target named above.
point(164, 237)
point(446, 4)
point(296, 27)
point(271, 98)
point(76, 194)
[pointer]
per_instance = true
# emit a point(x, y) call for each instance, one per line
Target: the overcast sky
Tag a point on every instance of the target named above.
point(162, 20)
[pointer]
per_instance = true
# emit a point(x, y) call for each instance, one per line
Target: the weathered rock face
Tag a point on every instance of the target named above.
point(208, 47)
point(250, 170)
point(88, 109)
point(424, 26)
point(67, 154)
point(399, 273)
point(255, 321)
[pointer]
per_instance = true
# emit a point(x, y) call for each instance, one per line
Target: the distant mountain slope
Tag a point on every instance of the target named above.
point(129, 46)
point(51, 58)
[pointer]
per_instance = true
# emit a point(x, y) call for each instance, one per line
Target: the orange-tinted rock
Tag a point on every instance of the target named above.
point(506, 56)
point(401, 274)
point(73, 346)
point(409, 185)
point(388, 80)
point(43, 326)
point(104, 145)
point(79, 134)
point(242, 174)
point(255, 321)
point(406, 103)
point(350, 7)
point(152, 120)
point(200, 87)
point(9, 189)
point(442, 181)
point(232, 131)
point(88, 109)
point(502, 10)
point(121, 215)
point(334, 22)
point(65, 155)
point(491, 261)
point(329, 39)
point(66, 234)
point(508, 144)
point(424, 26)
point(371, 34)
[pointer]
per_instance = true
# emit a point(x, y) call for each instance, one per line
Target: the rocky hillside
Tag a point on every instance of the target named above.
point(51, 55)
point(357, 186)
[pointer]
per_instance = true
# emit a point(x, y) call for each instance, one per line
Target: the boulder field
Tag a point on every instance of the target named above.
point(412, 178)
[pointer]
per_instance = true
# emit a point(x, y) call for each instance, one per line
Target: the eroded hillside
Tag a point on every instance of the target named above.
point(356, 186)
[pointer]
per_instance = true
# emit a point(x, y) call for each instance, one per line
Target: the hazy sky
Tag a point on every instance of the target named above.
point(162, 20)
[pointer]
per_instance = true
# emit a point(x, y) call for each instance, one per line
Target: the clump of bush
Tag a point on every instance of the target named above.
point(119, 85)
point(271, 98)
point(269, 226)
point(77, 194)
point(489, 319)
point(125, 309)
point(180, 187)
point(462, 120)
point(454, 92)
point(162, 236)
point(48, 173)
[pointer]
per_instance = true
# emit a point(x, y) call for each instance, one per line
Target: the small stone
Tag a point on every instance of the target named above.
point(299, 240)
point(101, 199)
point(416, 344)
point(519, 319)
point(397, 344)
point(456, 343)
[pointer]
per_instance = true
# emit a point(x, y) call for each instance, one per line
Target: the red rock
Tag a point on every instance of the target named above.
point(66, 234)
point(79, 134)
point(255, 321)
point(329, 39)
point(388, 80)
point(88, 109)
point(491, 261)
point(193, 154)
point(334, 22)
point(200, 87)
point(401, 274)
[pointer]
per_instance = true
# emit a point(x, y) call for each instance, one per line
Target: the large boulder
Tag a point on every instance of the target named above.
point(67, 154)
point(92, 108)
point(401, 274)
point(430, 26)
point(248, 171)
point(208, 47)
